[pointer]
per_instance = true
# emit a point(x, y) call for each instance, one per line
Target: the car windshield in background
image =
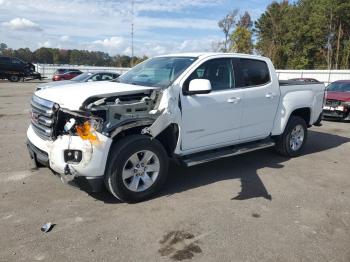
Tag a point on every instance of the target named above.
point(82, 77)
point(60, 71)
point(156, 72)
point(339, 87)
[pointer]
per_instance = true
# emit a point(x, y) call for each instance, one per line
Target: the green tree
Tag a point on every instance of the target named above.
point(3, 47)
point(271, 29)
point(43, 55)
point(23, 53)
point(241, 38)
point(307, 34)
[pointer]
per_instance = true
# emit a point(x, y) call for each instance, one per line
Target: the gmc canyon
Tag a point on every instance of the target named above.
point(193, 108)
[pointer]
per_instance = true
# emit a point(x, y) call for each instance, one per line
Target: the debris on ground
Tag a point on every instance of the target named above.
point(47, 227)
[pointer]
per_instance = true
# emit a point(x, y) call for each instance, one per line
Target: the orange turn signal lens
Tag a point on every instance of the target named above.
point(86, 132)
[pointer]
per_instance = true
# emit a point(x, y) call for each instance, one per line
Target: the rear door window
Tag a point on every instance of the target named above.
point(252, 72)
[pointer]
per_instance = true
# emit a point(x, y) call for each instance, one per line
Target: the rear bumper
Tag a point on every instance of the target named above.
point(336, 114)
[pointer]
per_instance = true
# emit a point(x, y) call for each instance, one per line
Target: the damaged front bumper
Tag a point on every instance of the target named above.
point(53, 154)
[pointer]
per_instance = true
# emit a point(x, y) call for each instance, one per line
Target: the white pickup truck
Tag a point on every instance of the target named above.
point(193, 108)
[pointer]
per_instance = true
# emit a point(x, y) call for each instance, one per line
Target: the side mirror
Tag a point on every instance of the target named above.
point(199, 86)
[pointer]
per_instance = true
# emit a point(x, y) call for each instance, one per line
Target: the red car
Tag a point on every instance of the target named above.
point(65, 74)
point(337, 103)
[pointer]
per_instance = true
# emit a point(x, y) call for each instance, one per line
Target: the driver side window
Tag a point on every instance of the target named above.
point(218, 71)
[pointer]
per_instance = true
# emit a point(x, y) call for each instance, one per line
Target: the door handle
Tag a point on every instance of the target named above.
point(270, 95)
point(234, 100)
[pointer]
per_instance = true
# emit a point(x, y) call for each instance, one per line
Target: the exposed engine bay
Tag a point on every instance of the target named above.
point(106, 114)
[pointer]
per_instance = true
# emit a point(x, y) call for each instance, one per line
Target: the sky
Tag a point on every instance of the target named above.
point(160, 26)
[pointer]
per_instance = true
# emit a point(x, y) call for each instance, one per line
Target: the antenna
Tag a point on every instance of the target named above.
point(132, 33)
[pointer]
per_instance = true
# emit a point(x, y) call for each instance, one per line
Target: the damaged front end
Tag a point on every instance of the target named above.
point(83, 138)
point(79, 141)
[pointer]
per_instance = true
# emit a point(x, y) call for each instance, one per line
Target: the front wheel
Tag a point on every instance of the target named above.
point(292, 141)
point(137, 168)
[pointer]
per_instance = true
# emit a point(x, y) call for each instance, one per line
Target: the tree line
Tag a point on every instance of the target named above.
point(74, 57)
point(305, 34)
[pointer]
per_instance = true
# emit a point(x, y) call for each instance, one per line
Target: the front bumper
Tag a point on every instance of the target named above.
point(51, 154)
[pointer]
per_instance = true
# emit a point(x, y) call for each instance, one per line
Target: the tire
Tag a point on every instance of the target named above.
point(124, 168)
point(13, 78)
point(284, 144)
point(319, 120)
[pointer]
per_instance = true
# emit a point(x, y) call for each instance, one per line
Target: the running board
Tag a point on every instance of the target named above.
point(203, 157)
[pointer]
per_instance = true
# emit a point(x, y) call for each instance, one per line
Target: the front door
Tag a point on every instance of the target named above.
point(213, 119)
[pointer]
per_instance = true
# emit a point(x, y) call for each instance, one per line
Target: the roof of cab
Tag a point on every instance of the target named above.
point(206, 54)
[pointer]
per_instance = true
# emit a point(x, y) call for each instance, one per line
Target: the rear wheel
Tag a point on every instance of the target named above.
point(137, 168)
point(13, 78)
point(292, 141)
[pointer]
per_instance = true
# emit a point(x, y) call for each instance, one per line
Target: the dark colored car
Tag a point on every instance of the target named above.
point(65, 74)
point(305, 80)
point(14, 69)
point(337, 104)
point(84, 77)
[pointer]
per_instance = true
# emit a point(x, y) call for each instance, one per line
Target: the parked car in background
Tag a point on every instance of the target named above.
point(305, 80)
point(14, 69)
point(337, 104)
point(65, 74)
point(84, 77)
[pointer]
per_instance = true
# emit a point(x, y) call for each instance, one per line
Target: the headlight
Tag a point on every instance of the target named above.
point(87, 131)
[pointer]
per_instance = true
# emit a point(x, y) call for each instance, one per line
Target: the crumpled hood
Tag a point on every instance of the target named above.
point(72, 96)
point(340, 96)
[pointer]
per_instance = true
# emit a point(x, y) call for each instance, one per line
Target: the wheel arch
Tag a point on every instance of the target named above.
point(303, 112)
point(168, 137)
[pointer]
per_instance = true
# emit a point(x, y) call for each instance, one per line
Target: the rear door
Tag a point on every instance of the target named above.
point(212, 119)
point(261, 98)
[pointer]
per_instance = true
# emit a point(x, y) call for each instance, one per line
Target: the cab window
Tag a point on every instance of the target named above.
point(252, 72)
point(218, 71)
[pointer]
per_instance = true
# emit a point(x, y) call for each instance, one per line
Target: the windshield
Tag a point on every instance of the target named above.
point(156, 72)
point(339, 87)
point(82, 77)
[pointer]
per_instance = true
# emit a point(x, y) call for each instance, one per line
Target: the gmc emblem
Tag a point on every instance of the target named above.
point(35, 117)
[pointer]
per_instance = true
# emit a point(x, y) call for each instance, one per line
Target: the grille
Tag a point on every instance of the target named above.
point(43, 117)
point(333, 103)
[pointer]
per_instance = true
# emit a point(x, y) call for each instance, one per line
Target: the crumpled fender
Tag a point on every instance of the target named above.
point(169, 112)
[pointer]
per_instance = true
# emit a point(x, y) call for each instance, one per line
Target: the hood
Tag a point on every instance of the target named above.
point(72, 96)
point(341, 96)
point(56, 83)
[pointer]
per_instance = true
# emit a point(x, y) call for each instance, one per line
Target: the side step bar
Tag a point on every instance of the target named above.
point(203, 157)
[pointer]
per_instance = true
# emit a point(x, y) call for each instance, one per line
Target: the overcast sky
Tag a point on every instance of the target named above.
point(161, 26)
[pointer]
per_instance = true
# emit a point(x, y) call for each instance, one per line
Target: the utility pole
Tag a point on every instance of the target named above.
point(132, 33)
